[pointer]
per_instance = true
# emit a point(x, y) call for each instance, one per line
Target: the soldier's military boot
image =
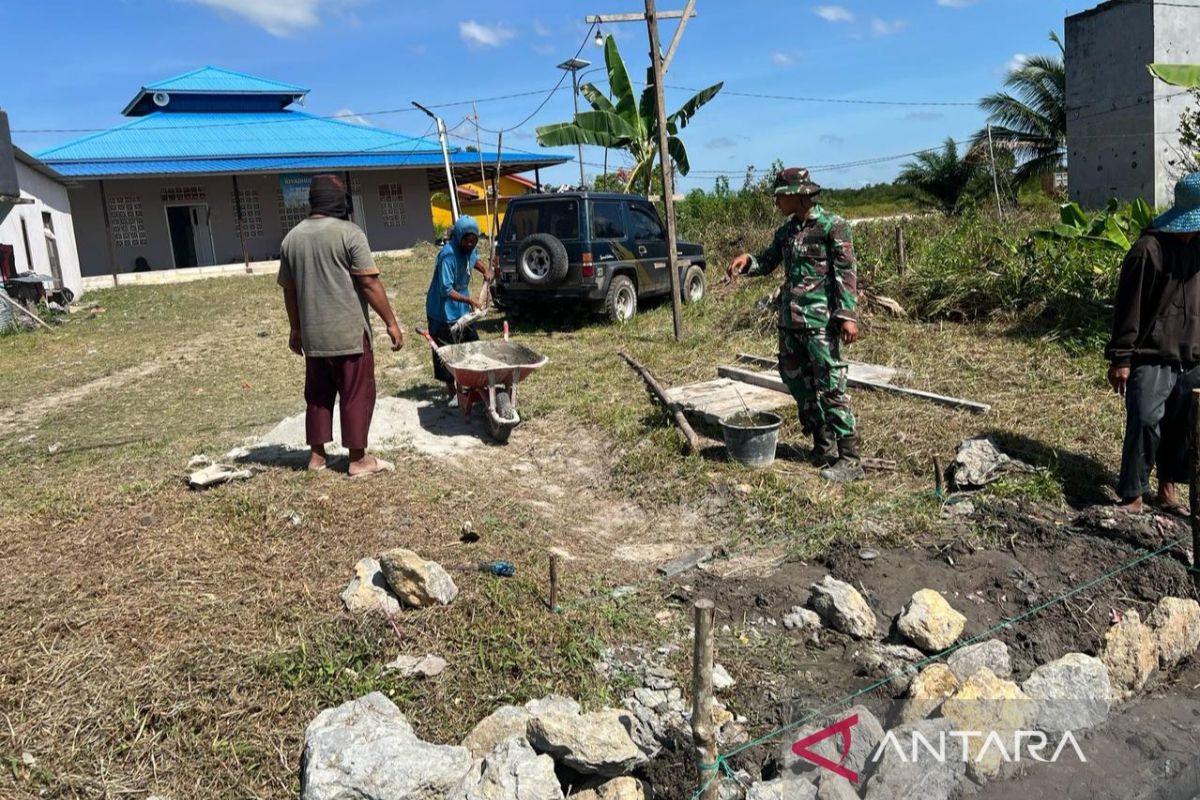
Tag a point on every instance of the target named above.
point(824, 452)
point(848, 467)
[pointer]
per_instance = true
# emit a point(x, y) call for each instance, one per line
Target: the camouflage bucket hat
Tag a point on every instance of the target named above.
point(795, 180)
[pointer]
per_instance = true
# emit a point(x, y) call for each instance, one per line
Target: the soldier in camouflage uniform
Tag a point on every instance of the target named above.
point(816, 316)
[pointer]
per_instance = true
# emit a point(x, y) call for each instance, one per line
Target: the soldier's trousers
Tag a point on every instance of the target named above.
point(811, 367)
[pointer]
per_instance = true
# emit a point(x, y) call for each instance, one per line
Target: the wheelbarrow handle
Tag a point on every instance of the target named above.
point(424, 332)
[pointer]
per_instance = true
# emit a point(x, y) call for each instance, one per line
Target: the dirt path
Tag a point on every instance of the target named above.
point(28, 415)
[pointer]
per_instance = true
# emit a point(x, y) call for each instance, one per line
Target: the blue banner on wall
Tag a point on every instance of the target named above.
point(294, 188)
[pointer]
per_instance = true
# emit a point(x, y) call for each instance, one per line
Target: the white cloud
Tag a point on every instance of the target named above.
point(780, 59)
point(884, 27)
point(956, 3)
point(834, 13)
point(477, 35)
point(347, 115)
point(831, 140)
point(1016, 62)
point(923, 116)
point(281, 18)
point(721, 142)
point(540, 28)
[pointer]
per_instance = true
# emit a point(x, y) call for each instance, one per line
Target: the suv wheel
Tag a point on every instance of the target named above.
point(621, 302)
point(542, 260)
point(693, 284)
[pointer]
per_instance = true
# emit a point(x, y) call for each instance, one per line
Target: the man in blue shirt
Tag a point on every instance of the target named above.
point(449, 299)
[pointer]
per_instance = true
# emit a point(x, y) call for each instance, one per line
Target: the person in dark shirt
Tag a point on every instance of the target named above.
point(1154, 352)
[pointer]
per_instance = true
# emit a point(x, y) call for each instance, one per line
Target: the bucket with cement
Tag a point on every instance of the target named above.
point(750, 438)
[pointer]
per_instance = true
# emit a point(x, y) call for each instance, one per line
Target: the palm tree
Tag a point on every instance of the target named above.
point(625, 122)
point(941, 178)
point(1032, 120)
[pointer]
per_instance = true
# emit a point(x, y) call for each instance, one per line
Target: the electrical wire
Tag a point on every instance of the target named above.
point(549, 94)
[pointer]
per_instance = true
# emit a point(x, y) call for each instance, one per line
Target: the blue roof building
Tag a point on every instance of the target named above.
point(212, 168)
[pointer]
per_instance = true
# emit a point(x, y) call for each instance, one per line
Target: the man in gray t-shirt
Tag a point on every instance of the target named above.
point(329, 279)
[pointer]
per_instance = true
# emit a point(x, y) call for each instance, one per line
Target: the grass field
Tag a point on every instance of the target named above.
point(159, 640)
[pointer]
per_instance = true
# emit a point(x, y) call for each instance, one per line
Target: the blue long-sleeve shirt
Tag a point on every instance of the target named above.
point(452, 272)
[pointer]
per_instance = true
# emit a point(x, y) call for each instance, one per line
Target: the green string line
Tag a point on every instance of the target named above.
point(722, 765)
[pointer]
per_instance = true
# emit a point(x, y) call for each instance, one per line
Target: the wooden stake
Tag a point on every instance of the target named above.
point(693, 443)
point(939, 480)
point(1195, 485)
point(553, 581)
point(703, 732)
point(901, 256)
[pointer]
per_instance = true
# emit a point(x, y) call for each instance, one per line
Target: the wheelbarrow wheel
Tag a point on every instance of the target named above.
point(505, 411)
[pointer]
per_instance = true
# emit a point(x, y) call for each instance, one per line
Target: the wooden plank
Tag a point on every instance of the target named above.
point(858, 370)
point(768, 381)
point(685, 562)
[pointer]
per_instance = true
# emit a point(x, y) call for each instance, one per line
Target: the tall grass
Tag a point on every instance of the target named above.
point(965, 268)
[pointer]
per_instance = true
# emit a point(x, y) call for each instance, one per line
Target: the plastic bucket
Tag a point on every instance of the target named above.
point(750, 438)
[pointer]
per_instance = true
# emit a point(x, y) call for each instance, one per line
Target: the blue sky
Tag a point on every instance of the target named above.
point(82, 60)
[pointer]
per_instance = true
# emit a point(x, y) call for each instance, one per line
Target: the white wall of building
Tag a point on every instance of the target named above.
point(1121, 121)
point(262, 242)
point(49, 197)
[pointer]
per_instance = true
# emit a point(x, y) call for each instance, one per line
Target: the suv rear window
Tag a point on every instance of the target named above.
point(606, 220)
point(559, 218)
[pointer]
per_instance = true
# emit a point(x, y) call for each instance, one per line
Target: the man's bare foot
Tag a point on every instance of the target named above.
point(1167, 499)
point(1134, 506)
point(369, 465)
point(317, 461)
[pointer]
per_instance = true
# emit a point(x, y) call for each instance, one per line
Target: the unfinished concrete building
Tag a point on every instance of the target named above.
point(1122, 123)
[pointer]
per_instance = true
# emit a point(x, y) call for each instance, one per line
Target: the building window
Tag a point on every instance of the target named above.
point(290, 216)
point(125, 219)
point(183, 194)
point(251, 213)
point(391, 204)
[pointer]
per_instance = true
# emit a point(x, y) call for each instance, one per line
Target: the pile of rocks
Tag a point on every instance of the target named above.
point(972, 689)
point(540, 751)
point(398, 579)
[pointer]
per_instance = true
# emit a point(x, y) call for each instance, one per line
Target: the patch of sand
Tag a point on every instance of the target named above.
point(399, 423)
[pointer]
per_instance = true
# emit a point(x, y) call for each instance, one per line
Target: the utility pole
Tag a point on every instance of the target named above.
point(660, 64)
point(573, 66)
point(444, 139)
point(995, 180)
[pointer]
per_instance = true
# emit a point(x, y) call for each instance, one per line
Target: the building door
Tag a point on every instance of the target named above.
point(191, 236)
point(358, 211)
point(52, 250)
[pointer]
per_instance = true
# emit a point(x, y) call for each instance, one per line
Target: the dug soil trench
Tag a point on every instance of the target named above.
point(1148, 748)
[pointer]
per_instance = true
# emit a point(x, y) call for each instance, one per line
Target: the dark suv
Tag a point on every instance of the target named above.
point(601, 250)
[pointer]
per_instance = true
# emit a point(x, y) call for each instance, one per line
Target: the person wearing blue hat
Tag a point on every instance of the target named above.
point(1154, 352)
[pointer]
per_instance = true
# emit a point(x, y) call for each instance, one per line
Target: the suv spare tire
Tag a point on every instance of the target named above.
point(542, 260)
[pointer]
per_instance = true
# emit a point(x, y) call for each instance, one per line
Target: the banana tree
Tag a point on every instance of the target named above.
point(1187, 75)
point(626, 122)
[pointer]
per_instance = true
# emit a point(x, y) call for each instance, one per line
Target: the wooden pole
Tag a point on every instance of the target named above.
point(704, 734)
point(939, 482)
point(901, 256)
point(1195, 485)
point(664, 157)
point(553, 582)
point(995, 179)
point(108, 237)
point(693, 443)
point(241, 222)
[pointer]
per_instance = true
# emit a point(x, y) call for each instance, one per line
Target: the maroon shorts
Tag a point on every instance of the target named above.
point(350, 379)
